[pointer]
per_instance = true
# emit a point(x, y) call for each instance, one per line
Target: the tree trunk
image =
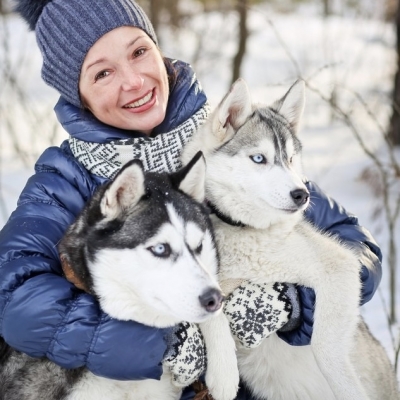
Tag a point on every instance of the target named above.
point(327, 7)
point(394, 128)
point(243, 35)
point(154, 14)
point(390, 10)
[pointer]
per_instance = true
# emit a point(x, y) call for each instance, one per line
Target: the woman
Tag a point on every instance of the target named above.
point(119, 100)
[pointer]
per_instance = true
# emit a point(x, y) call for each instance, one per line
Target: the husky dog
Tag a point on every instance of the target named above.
point(254, 182)
point(145, 248)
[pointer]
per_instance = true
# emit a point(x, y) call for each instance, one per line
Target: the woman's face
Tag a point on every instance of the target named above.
point(124, 82)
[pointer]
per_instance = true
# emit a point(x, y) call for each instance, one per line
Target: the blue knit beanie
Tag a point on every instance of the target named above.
point(67, 29)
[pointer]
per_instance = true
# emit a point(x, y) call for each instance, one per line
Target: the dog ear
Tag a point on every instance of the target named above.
point(191, 178)
point(233, 111)
point(124, 191)
point(291, 105)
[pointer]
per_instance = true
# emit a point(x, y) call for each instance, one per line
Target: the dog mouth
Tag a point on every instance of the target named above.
point(293, 210)
point(289, 210)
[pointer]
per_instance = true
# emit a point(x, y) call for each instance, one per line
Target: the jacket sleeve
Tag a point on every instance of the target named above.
point(41, 313)
point(329, 216)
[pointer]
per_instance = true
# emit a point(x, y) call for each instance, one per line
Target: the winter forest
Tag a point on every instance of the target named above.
point(346, 51)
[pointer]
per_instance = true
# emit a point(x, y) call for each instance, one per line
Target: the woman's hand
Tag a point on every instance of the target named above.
point(255, 311)
point(186, 354)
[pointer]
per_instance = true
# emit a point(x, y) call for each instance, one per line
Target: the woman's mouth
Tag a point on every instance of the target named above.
point(141, 102)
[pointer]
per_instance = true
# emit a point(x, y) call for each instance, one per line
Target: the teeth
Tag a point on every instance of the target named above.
point(140, 102)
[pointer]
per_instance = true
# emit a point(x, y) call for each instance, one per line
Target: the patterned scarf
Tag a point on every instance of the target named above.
point(158, 154)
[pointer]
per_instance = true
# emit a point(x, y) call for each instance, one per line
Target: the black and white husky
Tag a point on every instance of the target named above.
point(254, 178)
point(144, 246)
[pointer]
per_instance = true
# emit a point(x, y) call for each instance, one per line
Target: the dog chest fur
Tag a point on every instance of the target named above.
point(262, 254)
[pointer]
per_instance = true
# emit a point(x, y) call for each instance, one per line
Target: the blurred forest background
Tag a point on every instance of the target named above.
point(347, 51)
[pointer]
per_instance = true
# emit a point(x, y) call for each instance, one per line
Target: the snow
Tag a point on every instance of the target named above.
point(351, 52)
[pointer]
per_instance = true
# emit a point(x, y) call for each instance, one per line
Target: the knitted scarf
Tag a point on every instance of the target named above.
point(158, 154)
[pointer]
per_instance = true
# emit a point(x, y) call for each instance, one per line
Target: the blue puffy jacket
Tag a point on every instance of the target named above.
point(44, 315)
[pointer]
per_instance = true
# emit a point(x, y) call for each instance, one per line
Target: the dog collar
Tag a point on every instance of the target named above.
point(225, 218)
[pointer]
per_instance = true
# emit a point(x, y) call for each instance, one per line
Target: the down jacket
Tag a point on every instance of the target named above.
point(43, 315)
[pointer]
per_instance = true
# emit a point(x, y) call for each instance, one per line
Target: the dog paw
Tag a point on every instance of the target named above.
point(223, 386)
point(222, 374)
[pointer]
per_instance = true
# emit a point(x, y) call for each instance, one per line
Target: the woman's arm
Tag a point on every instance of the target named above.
point(328, 215)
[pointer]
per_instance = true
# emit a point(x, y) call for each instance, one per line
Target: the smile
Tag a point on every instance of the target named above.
point(140, 102)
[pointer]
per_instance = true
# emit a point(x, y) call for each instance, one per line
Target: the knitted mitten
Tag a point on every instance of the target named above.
point(186, 354)
point(255, 311)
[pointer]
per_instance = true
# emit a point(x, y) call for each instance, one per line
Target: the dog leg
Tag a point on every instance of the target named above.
point(222, 375)
point(334, 338)
point(340, 375)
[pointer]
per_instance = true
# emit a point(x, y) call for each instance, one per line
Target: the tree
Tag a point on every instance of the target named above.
point(327, 7)
point(162, 12)
point(242, 8)
point(394, 127)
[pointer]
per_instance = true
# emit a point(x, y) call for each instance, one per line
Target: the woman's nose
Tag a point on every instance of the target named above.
point(131, 80)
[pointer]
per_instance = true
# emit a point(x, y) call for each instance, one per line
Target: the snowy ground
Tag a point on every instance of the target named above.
point(351, 53)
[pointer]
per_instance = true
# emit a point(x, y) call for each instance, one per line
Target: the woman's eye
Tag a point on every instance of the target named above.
point(100, 75)
point(161, 250)
point(139, 52)
point(258, 159)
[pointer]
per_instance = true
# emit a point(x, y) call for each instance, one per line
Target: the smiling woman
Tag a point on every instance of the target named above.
point(124, 82)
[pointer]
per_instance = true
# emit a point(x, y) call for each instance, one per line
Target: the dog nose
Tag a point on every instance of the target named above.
point(211, 300)
point(299, 196)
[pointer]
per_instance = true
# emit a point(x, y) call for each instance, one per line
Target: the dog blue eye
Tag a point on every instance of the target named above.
point(161, 250)
point(259, 159)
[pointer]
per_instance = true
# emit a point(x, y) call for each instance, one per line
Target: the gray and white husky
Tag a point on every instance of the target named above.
point(254, 181)
point(144, 246)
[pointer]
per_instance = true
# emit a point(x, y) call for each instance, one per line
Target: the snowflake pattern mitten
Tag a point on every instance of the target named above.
point(255, 311)
point(186, 354)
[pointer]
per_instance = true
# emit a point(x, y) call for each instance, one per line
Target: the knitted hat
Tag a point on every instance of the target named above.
point(67, 29)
